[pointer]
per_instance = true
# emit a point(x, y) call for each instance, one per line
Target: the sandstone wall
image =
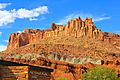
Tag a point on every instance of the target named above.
point(20, 39)
point(13, 72)
point(24, 73)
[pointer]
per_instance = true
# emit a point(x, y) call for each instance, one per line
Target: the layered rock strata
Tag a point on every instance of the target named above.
point(74, 28)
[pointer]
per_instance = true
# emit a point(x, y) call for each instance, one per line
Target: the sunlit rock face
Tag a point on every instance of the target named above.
point(75, 28)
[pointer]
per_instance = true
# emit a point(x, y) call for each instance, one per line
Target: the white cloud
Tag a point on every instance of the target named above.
point(0, 33)
point(101, 18)
point(6, 17)
point(83, 16)
point(4, 5)
point(24, 13)
point(2, 47)
point(10, 16)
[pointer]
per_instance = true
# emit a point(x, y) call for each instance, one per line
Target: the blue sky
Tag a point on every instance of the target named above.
point(15, 15)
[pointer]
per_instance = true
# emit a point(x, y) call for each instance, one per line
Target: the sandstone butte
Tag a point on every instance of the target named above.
point(75, 28)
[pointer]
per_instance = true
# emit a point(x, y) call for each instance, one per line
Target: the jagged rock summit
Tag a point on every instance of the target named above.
point(74, 28)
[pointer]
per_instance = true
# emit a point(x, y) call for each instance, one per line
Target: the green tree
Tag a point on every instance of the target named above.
point(100, 73)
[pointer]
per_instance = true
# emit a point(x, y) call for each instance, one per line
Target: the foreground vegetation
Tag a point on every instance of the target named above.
point(100, 73)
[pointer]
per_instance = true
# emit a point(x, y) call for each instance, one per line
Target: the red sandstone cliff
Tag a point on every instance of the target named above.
point(74, 28)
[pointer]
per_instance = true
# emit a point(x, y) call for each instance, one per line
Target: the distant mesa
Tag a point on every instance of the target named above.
point(75, 28)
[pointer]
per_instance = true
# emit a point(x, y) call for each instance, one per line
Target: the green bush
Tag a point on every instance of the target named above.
point(18, 56)
point(33, 58)
point(28, 56)
point(100, 73)
point(61, 79)
point(50, 57)
point(1, 57)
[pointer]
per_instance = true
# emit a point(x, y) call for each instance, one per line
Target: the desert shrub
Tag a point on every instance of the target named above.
point(80, 61)
point(1, 57)
point(18, 56)
point(42, 55)
point(61, 79)
point(8, 56)
point(57, 57)
point(50, 57)
point(77, 60)
point(28, 56)
point(62, 58)
point(73, 60)
point(33, 58)
point(67, 59)
point(85, 60)
point(96, 61)
point(100, 73)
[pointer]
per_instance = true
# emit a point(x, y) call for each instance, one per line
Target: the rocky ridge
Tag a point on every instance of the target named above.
point(74, 28)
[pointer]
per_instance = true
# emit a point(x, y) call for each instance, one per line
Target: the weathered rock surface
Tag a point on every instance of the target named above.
point(20, 39)
point(74, 28)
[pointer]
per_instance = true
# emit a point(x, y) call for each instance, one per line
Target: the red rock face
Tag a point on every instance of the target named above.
point(20, 39)
point(76, 28)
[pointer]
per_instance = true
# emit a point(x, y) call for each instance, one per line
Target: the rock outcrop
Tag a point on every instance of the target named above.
point(20, 39)
point(74, 28)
